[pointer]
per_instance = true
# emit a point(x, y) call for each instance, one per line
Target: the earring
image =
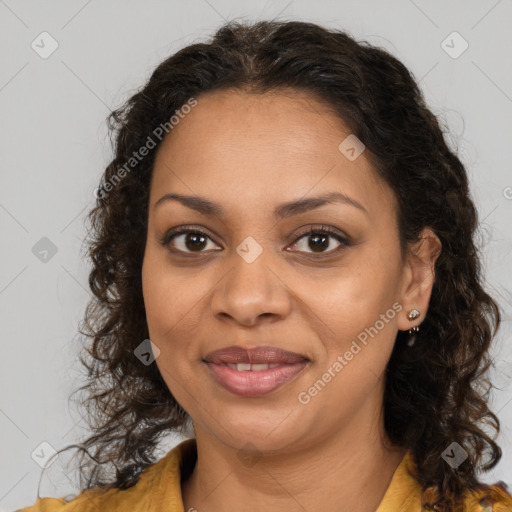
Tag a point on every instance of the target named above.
point(412, 315)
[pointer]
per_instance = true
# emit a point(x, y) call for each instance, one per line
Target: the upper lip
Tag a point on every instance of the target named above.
point(236, 354)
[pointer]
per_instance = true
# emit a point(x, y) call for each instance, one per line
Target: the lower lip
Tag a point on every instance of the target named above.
point(254, 383)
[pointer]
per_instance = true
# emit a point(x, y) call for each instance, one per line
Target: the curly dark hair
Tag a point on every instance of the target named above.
point(436, 391)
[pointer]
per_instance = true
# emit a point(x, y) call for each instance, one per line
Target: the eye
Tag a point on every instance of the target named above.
point(186, 240)
point(320, 239)
point(189, 240)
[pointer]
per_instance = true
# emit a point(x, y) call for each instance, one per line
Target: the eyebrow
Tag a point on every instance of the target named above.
point(284, 210)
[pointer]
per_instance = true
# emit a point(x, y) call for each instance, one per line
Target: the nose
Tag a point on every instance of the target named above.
point(251, 291)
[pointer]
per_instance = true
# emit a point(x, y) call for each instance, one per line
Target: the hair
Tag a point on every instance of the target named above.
point(436, 391)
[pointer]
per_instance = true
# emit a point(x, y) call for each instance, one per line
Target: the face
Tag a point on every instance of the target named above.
point(257, 276)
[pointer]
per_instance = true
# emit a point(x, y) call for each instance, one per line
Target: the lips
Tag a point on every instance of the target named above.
point(254, 372)
point(258, 355)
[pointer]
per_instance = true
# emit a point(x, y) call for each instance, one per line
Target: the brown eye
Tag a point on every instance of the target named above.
point(187, 240)
point(320, 241)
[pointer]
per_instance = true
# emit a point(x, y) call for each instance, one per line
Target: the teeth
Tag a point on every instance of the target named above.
point(245, 367)
point(260, 366)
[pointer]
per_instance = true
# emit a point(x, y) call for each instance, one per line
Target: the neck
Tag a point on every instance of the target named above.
point(353, 468)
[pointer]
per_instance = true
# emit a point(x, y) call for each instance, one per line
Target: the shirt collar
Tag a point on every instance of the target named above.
point(401, 495)
point(161, 484)
point(404, 491)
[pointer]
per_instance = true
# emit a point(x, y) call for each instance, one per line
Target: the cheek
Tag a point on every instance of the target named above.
point(358, 301)
point(168, 295)
point(357, 349)
point(171, 325)
point(173, 303)
point(158, 298)
point(355, 296)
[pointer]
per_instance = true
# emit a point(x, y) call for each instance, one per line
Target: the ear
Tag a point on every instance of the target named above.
point(418, 278)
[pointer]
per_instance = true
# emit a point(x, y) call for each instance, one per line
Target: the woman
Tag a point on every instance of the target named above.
point(283, 253)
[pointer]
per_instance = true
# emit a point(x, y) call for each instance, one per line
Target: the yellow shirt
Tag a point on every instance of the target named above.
point(159, 490)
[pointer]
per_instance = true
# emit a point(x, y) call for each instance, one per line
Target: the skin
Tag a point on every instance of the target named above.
point(250, 153)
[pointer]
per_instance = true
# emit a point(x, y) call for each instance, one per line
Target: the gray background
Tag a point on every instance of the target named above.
point(53, 150)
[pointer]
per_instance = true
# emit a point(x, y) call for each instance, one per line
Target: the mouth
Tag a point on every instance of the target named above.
point(259, 355)
point(254, 372)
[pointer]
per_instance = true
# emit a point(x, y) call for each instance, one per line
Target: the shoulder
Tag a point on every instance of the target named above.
point(108, 500)
point(45, 505)
point(489, 498)
point(92, 500)
point(485, 498)
point(158, 483)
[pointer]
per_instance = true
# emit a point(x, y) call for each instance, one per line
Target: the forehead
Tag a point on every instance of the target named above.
point(283, 119)
point(274, 145)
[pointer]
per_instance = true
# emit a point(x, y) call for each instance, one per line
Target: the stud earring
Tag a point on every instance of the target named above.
point(412, 315)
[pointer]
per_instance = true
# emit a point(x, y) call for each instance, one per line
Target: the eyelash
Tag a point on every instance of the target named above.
point(323, 230)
